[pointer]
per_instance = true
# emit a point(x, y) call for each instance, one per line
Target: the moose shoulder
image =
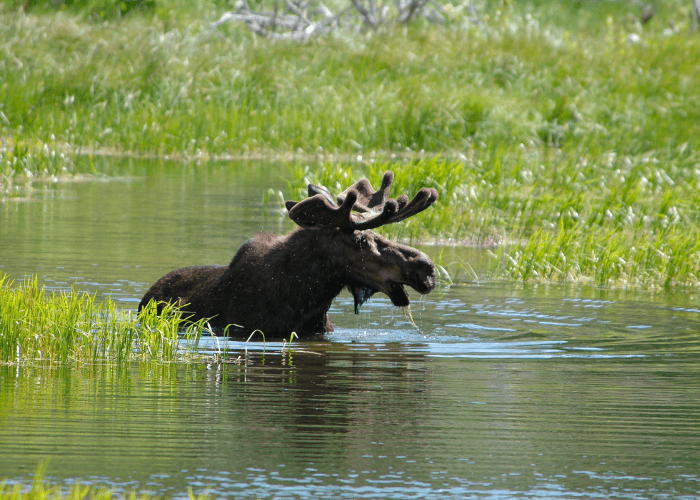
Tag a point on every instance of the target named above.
point(282, 284)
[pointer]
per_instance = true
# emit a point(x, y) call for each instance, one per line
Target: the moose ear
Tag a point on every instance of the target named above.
point(314, 190)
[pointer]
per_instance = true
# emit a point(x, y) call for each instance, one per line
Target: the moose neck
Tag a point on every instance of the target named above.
point(294, 278)
point(312, 258)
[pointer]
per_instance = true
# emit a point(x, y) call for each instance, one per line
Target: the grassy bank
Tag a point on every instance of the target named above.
point(637, 228)
point(537, 75)
point(36, 326)
point(568, 126)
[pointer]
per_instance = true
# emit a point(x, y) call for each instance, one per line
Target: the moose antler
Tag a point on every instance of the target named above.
point(372, 208)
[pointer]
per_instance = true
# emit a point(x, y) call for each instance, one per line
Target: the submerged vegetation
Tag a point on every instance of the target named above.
point(562, 133)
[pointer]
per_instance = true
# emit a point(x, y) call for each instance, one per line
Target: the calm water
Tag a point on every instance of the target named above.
point(505, 392)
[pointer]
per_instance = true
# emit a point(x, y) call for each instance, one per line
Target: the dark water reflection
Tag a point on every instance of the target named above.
point(505, 392)
point(364, 420)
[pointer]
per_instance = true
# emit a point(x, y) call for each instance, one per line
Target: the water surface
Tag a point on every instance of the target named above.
point(498, 391)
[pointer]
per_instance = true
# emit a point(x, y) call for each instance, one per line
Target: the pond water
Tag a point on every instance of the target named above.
point(498, 391)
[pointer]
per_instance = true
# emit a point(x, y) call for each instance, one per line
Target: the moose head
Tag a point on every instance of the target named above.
point(282, 284)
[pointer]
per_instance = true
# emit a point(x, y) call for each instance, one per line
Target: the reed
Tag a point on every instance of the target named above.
point(605, 257)
point(548, 122)
point(36, 326)
point(41, 489)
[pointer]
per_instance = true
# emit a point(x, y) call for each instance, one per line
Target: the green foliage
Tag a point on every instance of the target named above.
point(606, 257)
point(23, 163)
point(99, 9)
point(41, 489)
point(531, 74)
point(555, 120)
point(71, 327)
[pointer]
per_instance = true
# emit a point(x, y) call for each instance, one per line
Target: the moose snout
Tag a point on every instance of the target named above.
point(423, 275)
point(427, 285)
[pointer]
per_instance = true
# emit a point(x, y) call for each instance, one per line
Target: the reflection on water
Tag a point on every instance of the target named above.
point(506, 391)
point(343, 418)
point(116, 238)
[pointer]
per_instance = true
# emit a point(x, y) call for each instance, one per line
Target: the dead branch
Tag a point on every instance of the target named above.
point(366, 15)
point(300, 20)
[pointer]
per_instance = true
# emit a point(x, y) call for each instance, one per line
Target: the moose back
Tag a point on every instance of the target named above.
point(283, 284)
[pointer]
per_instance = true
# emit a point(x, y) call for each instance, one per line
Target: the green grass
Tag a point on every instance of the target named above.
point(606, 257)
point(164, 83)
point(565, 132)
point(41, 489)
point(24, 163)
point(638, 230)
point(36, 326)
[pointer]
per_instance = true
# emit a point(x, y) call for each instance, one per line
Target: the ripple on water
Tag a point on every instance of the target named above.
point(507, 391)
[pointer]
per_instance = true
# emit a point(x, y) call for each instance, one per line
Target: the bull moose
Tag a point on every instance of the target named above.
point(282, 284)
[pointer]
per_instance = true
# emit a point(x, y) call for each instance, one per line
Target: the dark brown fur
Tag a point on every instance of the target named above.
point(284, 284)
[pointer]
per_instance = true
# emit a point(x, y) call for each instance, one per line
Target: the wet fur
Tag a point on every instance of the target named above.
point(284, 284)
point(268, 286)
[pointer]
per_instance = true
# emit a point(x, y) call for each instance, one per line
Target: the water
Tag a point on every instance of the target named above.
point(507, 391)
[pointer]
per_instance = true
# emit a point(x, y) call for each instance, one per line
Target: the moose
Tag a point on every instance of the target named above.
point(283, 284)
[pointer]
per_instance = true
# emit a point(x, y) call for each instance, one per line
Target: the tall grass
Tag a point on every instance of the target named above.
point(554, 221)
point(41, 489)
point(605, 257)
point(36, 326)
point(24, 162)
point(559, 123)
point(163, 82)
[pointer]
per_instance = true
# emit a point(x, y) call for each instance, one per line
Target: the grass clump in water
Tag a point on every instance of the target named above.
point(611, 221)
point(36, 326)
point(40, 489)
point(605, 257)
point(24, 163)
